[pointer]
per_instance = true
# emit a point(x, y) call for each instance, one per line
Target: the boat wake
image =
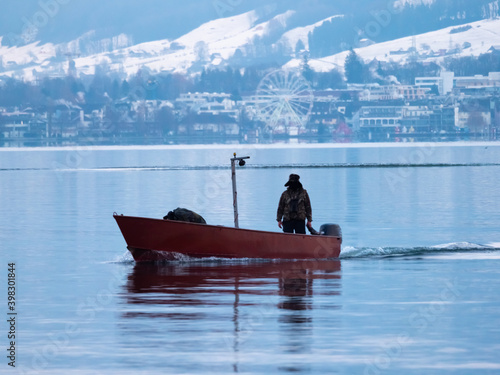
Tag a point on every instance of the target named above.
point(348, 252)
point(126, 257)
point(179, 258)
point(455, 247)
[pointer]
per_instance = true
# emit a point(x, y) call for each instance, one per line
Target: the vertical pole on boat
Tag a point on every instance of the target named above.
point(241, 163)
point(235, 193)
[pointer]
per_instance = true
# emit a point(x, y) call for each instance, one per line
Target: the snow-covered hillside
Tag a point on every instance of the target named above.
point(209, 44)
point(475, 38)
point(215, 42)
point(292, 37)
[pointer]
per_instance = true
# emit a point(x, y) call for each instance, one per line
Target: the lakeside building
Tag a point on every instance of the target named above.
point(377, 92)
point(413, 92)
point(472, 115)
point(472, 105)
point(444, 82)
point(15, 124)
point(193, 100)
point(378, 118)
point(447, 81)
point(208, 103)
point(478, 81)
point(405, 119)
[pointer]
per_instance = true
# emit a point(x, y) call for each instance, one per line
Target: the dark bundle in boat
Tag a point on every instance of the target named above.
point(183, 214)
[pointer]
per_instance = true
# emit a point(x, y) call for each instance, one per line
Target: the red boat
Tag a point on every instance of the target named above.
point(156, 239)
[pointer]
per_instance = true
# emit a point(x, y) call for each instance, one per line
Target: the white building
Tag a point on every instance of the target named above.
point(373, 117)
point(197, 98)
point(479, 81)
point(444, 83)
point(447, 81)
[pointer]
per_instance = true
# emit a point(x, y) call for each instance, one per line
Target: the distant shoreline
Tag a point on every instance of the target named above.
point(239, 146)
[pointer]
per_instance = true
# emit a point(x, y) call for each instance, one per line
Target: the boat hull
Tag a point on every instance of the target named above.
point(155, 239)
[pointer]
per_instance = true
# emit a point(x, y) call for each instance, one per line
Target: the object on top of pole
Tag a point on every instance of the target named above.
point(241, 163)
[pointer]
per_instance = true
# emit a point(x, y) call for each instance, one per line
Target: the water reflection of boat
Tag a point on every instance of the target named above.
point(155, 239)
point(230, 307)
point(288, 278)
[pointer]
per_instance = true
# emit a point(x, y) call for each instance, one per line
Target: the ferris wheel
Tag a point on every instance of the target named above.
point(284, 100)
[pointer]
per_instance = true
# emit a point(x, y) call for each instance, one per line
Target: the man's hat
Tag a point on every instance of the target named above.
point(292, 178)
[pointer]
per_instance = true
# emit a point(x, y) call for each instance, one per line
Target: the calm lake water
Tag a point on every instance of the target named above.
point(416, 289)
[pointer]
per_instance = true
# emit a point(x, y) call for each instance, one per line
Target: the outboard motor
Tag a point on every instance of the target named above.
point(330, 230)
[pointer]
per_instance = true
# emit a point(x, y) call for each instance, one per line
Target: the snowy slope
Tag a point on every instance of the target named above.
point(292, 37)
point(229, 42)
point(219, 29)
point(27, 54)
point(481, 36)
point(177, 55)
point(216, 41)
point(221, 37)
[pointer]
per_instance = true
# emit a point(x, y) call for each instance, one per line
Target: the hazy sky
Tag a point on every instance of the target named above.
point(63, 20)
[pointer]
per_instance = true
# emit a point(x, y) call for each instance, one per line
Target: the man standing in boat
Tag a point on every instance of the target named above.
point(294, 207)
